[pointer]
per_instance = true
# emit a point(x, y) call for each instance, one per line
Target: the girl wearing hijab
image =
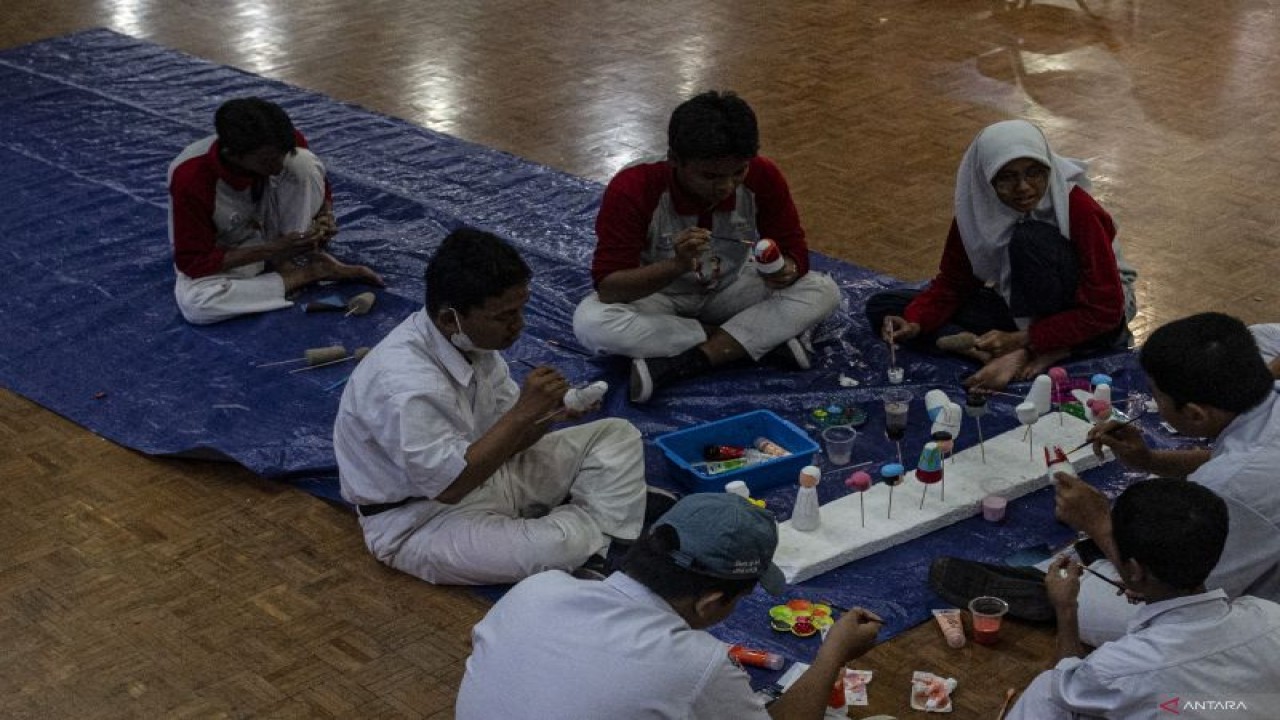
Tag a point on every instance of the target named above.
point(1031, 271)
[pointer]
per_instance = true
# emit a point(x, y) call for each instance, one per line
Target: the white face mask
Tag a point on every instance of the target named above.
point(459, 338)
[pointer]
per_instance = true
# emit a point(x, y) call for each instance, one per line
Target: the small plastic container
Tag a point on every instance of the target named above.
point(683, 450)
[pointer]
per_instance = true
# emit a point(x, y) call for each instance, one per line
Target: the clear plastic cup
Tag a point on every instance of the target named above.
point(988, 612)
point(897, 407)
point(838, 440)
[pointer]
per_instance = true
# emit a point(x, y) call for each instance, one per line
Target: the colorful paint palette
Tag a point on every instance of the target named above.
point(800, 617)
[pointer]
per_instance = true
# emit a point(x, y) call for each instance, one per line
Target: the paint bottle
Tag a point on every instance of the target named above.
point(769, 447)
point(756, 658)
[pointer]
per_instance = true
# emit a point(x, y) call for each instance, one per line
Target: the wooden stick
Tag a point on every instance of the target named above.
point(570, 348)
point(327, 364)
point(281, 362)
point(1008, 698)
point(548, 416)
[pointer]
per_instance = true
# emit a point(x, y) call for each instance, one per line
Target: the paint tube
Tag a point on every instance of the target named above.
point(952, 626)
point(757, 658)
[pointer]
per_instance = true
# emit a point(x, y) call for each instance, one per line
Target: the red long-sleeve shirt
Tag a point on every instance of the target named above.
point(633, 212)
point(1099, 299)
point(211, 206)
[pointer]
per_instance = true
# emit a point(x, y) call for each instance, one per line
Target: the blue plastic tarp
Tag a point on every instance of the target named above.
point(88, 125)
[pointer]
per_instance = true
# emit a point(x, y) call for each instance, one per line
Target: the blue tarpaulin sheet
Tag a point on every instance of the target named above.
point(88, 125)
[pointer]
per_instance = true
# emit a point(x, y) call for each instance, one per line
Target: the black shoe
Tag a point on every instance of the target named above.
point(649, 374)
point(958, 581)
point(790, 355)
point(595, 568)
point(657, 501)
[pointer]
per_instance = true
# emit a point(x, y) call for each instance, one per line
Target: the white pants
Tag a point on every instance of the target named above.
point(290, 202)
point(595, 469)
point(662, 325)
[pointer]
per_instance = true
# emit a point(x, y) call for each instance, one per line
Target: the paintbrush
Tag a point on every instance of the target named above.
point(570, 348)
point(1008, 698)
point(1087, 443)
point(1114, 583)
point(744, 241)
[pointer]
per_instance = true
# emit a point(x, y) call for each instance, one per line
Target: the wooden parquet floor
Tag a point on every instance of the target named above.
point(133, 587)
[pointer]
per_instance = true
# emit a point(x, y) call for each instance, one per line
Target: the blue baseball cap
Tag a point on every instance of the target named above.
point(724, 536)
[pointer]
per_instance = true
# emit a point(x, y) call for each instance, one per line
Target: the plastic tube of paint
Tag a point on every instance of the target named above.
point(952, 626)
point(765, 445)
point(756, 658)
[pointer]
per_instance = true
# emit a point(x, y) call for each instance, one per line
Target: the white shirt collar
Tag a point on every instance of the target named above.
point(634, 589)
point(455, 361)
point(1204, 603)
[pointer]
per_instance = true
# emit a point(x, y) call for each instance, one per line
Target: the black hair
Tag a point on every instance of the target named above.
point(1210, 359)
point(649, 562)
point(468, 268)
point(246, 124)
point(713, 125)
point(1174, 528)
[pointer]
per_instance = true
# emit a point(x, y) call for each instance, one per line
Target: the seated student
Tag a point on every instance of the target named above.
point(634, 645)
point(1185, 643)
point(675, 288)
point(453, 468)
point(1031, 271)
point(1268, 339)
point(250, 214)
point(1209, 381)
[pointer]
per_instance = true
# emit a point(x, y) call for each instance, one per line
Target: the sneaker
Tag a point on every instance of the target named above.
point(790, 355)
point(958, 581)
point(649, 374)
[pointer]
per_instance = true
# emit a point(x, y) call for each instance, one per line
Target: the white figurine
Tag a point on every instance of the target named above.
point(805, 514)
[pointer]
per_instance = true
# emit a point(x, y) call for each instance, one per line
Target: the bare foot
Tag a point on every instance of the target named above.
point(961, 343)
point(997, 373)
point(333, 269)
point(1040, 364)
point(323, 266)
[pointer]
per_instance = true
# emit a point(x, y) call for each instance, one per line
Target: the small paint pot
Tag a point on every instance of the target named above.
point(993, 508)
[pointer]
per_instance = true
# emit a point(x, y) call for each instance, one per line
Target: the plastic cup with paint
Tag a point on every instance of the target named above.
point(839, 442)
point(993, 508)
point(988, 612)
point(896, 375)
point(897, 406)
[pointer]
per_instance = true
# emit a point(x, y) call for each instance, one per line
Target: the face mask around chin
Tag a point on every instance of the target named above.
point(460, 339)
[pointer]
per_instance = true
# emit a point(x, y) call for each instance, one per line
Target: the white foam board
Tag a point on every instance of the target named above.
point(1009, 471)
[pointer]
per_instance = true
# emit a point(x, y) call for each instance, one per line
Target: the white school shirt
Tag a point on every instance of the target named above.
point(1244, 469)
point(559, 647)
point(1200, 648)
point(1267, 335)
point(410, 411)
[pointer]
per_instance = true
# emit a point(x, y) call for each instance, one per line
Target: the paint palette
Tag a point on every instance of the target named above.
point(802, 618)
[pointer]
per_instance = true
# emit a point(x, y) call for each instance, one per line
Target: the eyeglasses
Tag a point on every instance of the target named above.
point(1009, 180)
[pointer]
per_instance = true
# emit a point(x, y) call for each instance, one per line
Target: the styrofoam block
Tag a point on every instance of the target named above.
point(1008, 472)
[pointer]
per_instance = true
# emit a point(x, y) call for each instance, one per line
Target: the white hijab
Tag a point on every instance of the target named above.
point(986, 223)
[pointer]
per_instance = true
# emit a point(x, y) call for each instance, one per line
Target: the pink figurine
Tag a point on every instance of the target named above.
point(1100, 410)
point(860, 482)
